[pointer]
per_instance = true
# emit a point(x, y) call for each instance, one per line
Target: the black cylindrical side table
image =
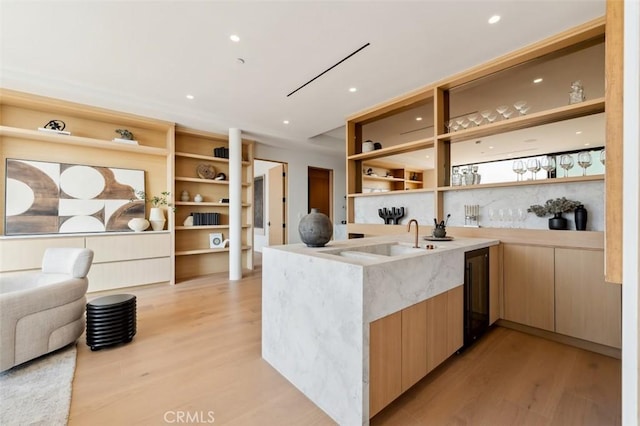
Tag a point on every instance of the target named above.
point(111, 320)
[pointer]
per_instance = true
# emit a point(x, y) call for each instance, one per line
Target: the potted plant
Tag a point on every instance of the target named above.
point(156, 214)
point(555, 207)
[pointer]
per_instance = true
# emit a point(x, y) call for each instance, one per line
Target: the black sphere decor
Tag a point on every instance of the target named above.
point(558, 222)
point(581, 218)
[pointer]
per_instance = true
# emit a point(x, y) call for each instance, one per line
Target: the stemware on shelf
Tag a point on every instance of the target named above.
point(584, 161)
point(475, 119)
point(501, 109)
point(519, 105)
point(533, 165)
point(508, 113)
point(519, 169)
point(566, 162)
point(548, 163)
point(525, 109)
point(485, 114)
point(465, 123)
point(449, 125)
point(602, 156)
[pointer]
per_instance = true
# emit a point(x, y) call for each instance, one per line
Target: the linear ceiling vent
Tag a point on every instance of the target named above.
point(330, 68)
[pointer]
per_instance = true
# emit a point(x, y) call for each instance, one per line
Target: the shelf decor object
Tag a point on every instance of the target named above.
point(555, 207)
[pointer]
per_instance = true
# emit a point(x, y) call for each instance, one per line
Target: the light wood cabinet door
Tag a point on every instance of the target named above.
point(587, 307)
point(414, 344)
point(529, 285)
point(455, 319)
point(385, 361)
point(437, 348)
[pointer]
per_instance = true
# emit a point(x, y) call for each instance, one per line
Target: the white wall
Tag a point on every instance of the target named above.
point(297, 198)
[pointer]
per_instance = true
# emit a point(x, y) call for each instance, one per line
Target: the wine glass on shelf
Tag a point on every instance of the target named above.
point(475, 119)
point(566, 162)
point(519, 105)
point(525, 109)
point(492, 117)
point(519, 169)
point(548, 164)
point(602, 156)
point(465, 123)
point(584, 161)
point(508, 113)
point(485, 114)
point(533, 165)
point(449, 125)
point(501, 109)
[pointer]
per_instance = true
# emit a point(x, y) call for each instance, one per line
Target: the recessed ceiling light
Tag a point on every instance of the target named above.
point(537, 80)
point(587, 144)
point(418, 118)
point(234, 38)
point(286, 122)
point(494, 19)
point(190, 97)
point(579, 132)
point(353, 89)
point(426, 156)
point(240, 61)
point(490, 147)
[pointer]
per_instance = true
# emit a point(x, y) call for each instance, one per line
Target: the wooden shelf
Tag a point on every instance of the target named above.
point(200, 227)
point(405, 191)
point(207, 181)
point(207, 203)
point(381, 178)
point(524, 183)
point(206, 251)
point(36, 135)
point(207, 158)
point(531, 120)
point(392, 150)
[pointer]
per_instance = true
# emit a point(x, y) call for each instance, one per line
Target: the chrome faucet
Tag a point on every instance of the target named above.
point(415, 245)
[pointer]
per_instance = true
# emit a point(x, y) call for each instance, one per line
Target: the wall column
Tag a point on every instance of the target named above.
point(235, 204)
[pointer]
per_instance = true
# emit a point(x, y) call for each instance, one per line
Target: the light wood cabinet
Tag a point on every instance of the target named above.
point(193, 251)
point(495, 283)
point(529, 285)
point(405, 346)
point(90, 142)
point(385, 361)
point(587, 307)
point(383, 177)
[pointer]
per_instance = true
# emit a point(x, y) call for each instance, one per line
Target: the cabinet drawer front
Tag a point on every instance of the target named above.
point(27, 253)
point(106, 276)
point(141, 245)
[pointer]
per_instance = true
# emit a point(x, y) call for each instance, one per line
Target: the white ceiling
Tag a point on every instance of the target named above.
point(144, 57)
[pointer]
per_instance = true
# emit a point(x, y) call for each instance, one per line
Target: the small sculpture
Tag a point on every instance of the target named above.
point(576, 94)
point(55, 125)
point(125, 134)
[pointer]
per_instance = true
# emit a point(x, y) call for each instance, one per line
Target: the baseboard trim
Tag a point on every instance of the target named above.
point(561, 338)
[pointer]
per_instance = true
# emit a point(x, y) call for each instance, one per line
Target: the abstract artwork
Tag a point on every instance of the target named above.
point(51, 198)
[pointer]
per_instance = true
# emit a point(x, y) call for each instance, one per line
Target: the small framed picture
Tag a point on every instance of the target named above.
point(216, 240)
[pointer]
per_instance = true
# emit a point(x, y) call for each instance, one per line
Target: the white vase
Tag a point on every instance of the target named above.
point(156, 217)
point(138, 224)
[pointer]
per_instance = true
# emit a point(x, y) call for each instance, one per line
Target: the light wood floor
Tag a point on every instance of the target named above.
point(197, 351)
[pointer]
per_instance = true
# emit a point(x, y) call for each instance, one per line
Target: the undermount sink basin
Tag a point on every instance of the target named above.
point(376, 251)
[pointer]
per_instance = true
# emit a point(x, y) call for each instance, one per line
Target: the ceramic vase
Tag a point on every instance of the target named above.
point(581, 218)
point(138, 224)
point(156, 217)
point(315, 229)
point(558, 222)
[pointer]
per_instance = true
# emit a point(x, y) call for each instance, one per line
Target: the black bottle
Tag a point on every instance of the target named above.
point(581, 218)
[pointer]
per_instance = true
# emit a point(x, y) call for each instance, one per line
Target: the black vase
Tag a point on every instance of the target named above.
point(558, 222)
point(581, 218)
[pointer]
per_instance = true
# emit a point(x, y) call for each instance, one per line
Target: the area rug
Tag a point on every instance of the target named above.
point(38, 392)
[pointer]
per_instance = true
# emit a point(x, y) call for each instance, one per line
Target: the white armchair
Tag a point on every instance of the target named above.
point(41, 311)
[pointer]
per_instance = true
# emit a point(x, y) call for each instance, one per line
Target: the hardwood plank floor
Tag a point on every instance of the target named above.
point(197, 354)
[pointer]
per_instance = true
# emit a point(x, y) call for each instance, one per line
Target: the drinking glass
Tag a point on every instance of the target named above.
point(519, 105)
point(449, 125)
point(492, 117)
point(548, 164)
point(584, 161)
point(465, 124)
point(533, 165)
point(508, 113)
point(485, 114)
point(524, 109)
point(475, 119)
point(519, 169)
point(501, 109)
point(602, 156)
point(566, 162)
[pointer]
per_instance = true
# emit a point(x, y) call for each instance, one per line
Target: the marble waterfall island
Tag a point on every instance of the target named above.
point(317, 304)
